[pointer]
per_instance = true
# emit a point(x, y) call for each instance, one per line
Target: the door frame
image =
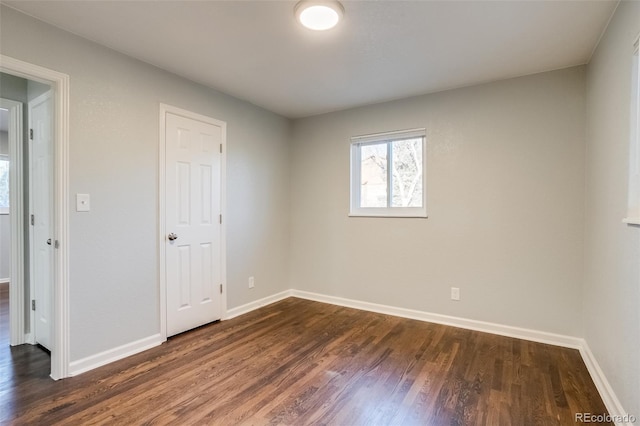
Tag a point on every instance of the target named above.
point(162, 228)
point(59, 83)
point(16, 200)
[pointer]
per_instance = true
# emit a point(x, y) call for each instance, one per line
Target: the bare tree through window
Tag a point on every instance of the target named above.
point(404, 160)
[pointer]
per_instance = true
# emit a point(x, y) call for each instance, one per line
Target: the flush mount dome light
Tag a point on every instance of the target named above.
point(319, 15)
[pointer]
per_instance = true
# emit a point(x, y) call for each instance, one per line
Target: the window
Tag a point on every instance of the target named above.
point(633, 212)
point(4, 184)
point(388, 174)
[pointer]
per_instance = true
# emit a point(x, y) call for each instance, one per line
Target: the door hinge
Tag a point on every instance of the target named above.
point(220, 218)
point(33, 304)
point(31, 134)
point(33, 220)
point(56, 244)
point(220, 148)
point(220, 288)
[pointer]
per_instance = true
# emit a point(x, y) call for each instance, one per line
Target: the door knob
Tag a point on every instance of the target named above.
point(49, 241)
point(172, 236)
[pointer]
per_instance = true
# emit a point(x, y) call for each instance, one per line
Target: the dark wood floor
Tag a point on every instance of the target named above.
point(298, 363)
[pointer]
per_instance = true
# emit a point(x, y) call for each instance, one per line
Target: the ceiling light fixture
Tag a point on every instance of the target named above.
point(319, 15)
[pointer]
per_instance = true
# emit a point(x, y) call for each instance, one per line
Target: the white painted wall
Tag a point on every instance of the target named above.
point(612, 249)
point(505, 185)
point(113, 156)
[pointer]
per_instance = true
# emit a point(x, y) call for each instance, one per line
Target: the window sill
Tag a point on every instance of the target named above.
point(391, 213)
point(635, 221)
point(388, 216)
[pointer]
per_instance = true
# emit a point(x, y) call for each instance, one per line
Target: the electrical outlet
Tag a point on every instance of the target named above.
point(252, 282)
point(455, 293)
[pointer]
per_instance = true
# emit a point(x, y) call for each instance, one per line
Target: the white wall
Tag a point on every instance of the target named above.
point(505, 181)
point(113, 156)
point(612, 249)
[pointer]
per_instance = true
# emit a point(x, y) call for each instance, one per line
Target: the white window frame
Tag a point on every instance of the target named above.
point(633, 208)
point(356, 143)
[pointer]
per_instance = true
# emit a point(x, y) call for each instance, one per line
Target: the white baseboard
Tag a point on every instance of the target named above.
point(607, 394)
point(486, 327)
point(98, 360)
point(252, 306)
point(4, 280)
point(611, 401)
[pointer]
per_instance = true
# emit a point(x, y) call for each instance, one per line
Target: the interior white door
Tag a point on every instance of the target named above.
point(193, 208)
point(41, 209)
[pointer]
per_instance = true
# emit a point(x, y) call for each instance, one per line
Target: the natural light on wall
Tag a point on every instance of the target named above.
point(633, 212)
point(319, 15)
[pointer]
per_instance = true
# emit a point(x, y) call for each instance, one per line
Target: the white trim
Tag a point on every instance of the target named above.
point(257, 304)
point(469, 324)
point(4, 280)
point(389, 136)
point(111, 355)
point(614, 407)
point(59, 83)
point(611, 401)
point(162, 229)
point(16, 223)
point(607, 394)
point(162, 142)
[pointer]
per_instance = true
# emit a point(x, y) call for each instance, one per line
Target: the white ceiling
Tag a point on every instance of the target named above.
point(383, 50)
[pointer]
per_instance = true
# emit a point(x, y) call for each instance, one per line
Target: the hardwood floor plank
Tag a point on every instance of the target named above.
point(298, 362)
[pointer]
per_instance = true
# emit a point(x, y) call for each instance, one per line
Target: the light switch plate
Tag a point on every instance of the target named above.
point(83, 202)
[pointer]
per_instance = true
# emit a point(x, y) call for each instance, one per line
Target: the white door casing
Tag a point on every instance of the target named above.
point(193, 207)
point(59, 83)
point(41, 210)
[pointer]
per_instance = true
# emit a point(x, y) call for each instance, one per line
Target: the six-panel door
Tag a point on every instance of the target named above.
point(192, 243)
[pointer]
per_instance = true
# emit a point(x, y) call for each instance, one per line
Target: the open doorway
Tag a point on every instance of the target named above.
point(26, 193)
point(11, 205)
point(44, 113)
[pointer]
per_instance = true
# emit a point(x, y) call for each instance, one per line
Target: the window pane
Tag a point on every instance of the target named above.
point(373, 175)
point(4, 183)
point(407, 173)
